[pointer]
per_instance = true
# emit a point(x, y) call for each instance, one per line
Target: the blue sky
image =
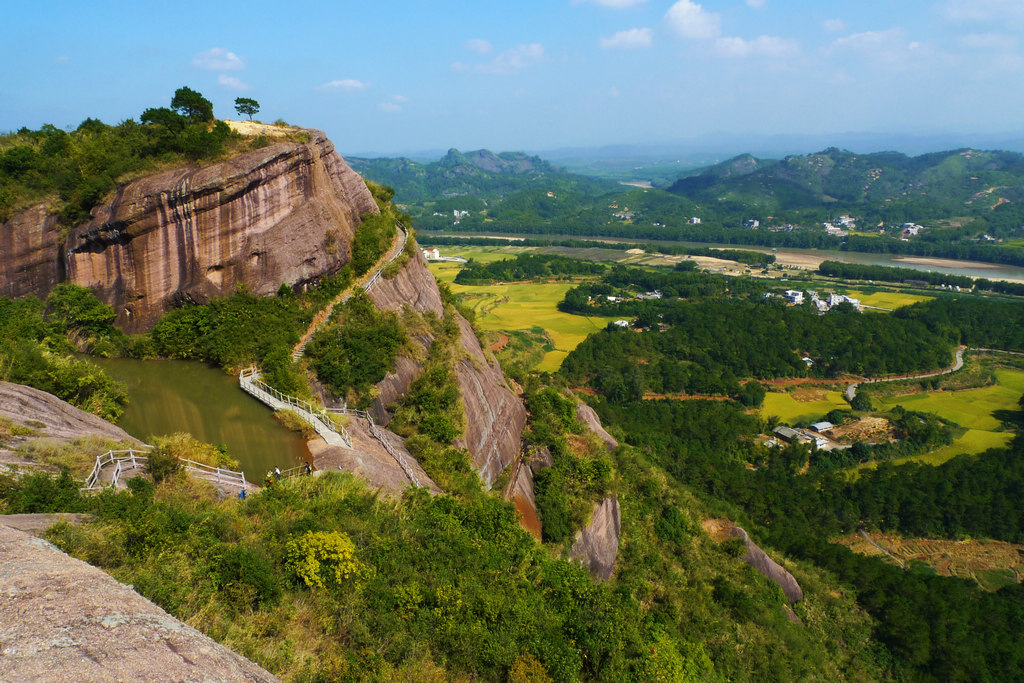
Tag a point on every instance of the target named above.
point(404, 75)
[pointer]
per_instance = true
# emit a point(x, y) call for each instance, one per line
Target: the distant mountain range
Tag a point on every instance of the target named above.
point(951, 183)
point(481, 173)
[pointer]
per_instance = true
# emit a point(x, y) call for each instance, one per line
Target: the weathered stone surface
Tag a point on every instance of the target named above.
point(369, 460)
point(495, 417)
point(62, 620)
point(37, 523)
point(589, 418)
point(597, 545)
point(30, 253)
point(768, 567)
point(413, 286)
point(62, 421)
point(540, 458)
point(394, 386)
point(284, 213)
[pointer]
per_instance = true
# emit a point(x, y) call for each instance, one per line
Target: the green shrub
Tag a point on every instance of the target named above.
point(162, 464)
point(245, 566)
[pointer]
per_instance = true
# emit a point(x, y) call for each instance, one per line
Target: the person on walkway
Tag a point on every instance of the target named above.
point(269, 479)
point(309, 470)
point(241, 494)
point(277, 473)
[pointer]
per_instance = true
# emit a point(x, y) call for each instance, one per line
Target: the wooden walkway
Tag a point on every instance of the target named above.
point(317, 417)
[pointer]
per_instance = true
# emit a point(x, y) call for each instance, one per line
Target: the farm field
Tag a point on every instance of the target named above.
point(993, 564)
point(797, 407)
point(971, 408)
point(892, 300)
point(522, 306)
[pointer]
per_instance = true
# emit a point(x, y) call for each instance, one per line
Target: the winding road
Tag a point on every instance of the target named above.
point(851, 390)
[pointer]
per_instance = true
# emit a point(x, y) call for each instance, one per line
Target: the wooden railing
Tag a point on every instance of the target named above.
point(132, 459)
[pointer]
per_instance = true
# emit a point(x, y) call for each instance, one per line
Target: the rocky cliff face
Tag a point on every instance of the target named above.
point(284, 213)
point(495, 416)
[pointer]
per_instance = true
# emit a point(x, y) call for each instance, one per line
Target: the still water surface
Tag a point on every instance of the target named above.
point(168, 396)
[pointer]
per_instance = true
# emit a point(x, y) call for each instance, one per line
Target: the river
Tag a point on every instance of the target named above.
point(168, 396)
point(808, 258)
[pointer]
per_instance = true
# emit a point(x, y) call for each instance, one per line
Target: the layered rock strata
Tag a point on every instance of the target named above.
point(282, 214)
point(495, 417)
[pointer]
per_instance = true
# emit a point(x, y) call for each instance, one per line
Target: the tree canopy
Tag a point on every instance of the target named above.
point(246, 106)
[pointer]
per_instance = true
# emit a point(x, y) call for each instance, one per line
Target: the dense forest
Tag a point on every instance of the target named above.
point(525, 267)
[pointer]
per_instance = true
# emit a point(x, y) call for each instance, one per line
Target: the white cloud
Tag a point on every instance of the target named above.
point(218, 59)
point(756, 4)
point(389, 107)
point(344, 84)
point(988, 41)
point(762, 46)
point(613, 92)
point(984, 10)
point(631, 38)
point(399, 98)
point(232, 82)
point(510, 61)
point(890, 49)
point(833, 25)
point(479, 46)
point(690, 20)
point(617, 4)
point(62, 59)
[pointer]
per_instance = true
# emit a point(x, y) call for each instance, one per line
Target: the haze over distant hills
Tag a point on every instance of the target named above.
point(659, 162)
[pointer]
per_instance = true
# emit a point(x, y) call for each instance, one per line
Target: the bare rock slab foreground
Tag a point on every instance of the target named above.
point(62, 620)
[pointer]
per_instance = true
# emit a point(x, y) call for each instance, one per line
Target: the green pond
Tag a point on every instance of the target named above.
point(168, 396)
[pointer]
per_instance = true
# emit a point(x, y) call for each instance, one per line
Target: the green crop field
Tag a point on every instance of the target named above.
point(972, 408)
point(788, 409)
point(522, 306)
point(891, 300)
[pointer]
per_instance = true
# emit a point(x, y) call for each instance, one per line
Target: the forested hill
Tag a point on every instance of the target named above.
point(479, 174)
point(959, 182)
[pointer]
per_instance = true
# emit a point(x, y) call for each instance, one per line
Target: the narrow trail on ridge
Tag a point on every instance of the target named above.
point(366, 282)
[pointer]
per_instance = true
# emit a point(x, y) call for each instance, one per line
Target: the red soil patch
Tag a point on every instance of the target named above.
point(501, 343)
point(528, 518)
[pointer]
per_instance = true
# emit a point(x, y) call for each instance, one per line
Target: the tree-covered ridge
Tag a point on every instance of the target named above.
point(935, 628)
point(936, 184)
point(77, 169)
point(526, 267)
point(480, 174)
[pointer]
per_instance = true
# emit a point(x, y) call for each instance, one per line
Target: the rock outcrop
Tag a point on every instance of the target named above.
point(53, 418)
point(495, 417)
point(62, 620)
point(591, 421)
point(597, 545)
point(46, 418)
point(369, 460)
point(768, 567)
point(520, 491)
point(284, 213)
